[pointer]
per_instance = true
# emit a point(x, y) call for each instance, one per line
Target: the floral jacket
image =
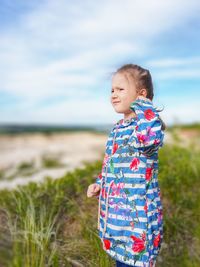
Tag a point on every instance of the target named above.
point(130, 219)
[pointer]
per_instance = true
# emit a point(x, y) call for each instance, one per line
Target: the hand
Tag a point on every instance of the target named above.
point(93, 190)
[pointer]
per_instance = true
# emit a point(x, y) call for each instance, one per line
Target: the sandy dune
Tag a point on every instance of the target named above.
point(72, 149)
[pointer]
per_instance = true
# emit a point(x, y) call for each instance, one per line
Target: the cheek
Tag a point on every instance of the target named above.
point(133, 97)
point(126, 103)
point(125, 100)
point(128, 98)
point(133, 93)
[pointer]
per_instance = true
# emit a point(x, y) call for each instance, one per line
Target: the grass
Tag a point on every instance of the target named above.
point(49, 161)
point(180, 184)
point(25, 168)
point(55, 224)
point(28, 168)
point(33, 235)
point(192, 126)
point(2, 174)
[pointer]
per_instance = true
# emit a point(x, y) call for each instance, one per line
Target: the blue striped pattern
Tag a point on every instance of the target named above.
point(130, 208)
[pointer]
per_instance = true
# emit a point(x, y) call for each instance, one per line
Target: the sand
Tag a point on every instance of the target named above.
point(72, 150)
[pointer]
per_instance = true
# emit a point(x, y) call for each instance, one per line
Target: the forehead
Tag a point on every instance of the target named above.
point(119, 80)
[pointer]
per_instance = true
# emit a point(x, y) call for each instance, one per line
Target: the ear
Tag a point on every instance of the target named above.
point(143, 92)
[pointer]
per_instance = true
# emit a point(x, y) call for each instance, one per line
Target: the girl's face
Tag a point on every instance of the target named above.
point(122, 94)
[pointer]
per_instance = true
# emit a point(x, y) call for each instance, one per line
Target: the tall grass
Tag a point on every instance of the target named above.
point(32, 233)
point(55, 224)
point(180, 185)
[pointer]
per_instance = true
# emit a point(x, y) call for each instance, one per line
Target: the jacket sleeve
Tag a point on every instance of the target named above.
point(98, 179)
point(147, 136)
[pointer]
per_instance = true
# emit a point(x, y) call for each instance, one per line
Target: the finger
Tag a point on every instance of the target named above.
point(89, 194)
point(97, 188)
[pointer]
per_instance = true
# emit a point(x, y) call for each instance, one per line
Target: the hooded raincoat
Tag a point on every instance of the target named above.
point(130, 219)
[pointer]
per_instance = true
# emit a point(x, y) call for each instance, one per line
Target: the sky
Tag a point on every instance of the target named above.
point(57, 58)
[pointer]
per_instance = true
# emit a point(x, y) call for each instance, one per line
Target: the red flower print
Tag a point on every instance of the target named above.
point(145, 208)
point(142, 138)
point(116, 188)
point(115, 147)
point(106, 157)
point(149, 114)
point(149, 172)
point(104, 193)
point(132, 224)
point(156, 142)
point(156, 240)
point(106, 243)
point(138, 244)
point(102, 213)
point(100, 175)
point(134, 164)
point(143, 236)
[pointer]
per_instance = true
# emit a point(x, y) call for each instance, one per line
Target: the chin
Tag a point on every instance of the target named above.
point(118, 110)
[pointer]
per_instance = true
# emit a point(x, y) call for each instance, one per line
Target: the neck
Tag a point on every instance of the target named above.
point(130, 115)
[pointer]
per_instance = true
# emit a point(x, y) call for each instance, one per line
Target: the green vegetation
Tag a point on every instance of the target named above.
point(25, 165)
point(48, 129)
point(1, 174)
point(50, 161)
point(180, 186)
point(192, 126)
point(55, 224)
point(25, 168)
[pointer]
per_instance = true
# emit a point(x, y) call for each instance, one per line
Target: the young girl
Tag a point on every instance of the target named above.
point(130, 219)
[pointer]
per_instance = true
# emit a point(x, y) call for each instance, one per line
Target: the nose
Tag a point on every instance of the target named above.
point(114, 95)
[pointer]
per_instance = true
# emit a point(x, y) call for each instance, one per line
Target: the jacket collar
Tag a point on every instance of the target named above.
point(123, 123)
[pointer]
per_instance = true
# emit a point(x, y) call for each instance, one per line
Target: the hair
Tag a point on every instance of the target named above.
point(142, 80)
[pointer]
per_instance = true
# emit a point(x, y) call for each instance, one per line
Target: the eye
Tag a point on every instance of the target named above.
point(121, 89)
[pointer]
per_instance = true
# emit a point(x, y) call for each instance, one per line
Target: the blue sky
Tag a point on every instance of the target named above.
point(57, 57)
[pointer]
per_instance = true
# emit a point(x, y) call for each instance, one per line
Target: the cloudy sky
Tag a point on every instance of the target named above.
point(57, 57)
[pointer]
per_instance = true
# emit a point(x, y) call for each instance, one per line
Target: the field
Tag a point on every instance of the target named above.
point(53, 223)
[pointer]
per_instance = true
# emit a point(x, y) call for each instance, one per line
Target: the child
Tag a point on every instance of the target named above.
point(130, 220)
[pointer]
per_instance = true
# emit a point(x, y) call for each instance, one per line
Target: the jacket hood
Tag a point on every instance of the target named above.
point(133, 106)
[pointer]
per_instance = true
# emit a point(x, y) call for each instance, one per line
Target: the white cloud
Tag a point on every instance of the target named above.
point(63, 47)
point(175, 73)
point(174, 62)
point(173, 68)
point(64, 25)
point(68, 112)
point(97, 111)
point(179, 113)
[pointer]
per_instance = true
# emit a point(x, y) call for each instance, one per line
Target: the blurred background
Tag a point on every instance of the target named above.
point(56, 62)
point(56, 58)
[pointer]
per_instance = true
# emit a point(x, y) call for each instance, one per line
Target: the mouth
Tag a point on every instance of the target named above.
point(116, 102)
